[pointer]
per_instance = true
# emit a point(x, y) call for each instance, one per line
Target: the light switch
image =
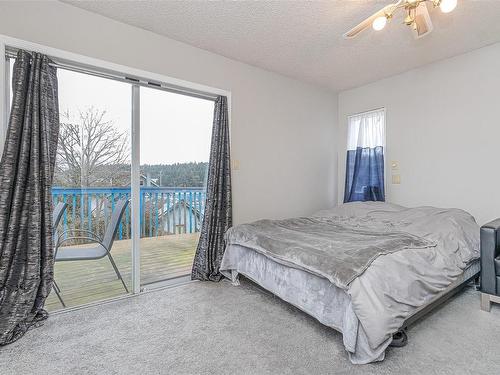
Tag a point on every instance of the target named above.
point(396, 179)
point(236, 165)
point(394, 165)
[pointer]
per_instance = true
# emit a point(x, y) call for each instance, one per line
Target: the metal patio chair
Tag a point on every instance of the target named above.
point(56, 219)
point(102, 247)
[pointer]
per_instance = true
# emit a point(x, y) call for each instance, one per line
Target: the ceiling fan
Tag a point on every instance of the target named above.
point(416, 16)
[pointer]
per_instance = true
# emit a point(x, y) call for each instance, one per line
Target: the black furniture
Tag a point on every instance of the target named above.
point(490, 264)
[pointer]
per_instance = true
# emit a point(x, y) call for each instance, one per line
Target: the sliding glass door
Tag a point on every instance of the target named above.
point(130, 180)
point(175, 145)
point(92, 177)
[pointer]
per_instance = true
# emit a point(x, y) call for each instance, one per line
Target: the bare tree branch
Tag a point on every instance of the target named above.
point(91, 151)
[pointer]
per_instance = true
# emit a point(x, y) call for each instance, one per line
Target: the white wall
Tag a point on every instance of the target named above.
point(283, 131)
point(443, 126)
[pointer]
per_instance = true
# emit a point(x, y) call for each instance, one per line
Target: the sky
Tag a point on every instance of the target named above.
point(174, 128)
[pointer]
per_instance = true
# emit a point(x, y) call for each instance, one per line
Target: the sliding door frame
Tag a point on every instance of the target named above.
point(136, 189)
point(4, 95)
point(136, 78)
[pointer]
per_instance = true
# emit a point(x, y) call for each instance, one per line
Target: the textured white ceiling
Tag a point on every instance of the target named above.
point(303, 39)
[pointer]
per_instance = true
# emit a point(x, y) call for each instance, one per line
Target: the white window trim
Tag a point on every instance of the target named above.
point(96, 64)
point(105, 67)
point(4, 95)
point(386, 162)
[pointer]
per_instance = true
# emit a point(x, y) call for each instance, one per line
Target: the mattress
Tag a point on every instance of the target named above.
point(390, 291)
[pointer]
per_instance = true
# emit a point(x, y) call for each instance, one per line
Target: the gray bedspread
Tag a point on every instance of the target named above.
point(391, 288)
point(338, 249)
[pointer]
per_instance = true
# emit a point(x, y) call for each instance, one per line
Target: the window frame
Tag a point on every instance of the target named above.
point(376, 109)
point(4, 95)
point(106, 69)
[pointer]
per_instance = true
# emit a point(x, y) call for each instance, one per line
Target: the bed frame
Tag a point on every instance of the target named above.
point(400, 338)
point(439, 300)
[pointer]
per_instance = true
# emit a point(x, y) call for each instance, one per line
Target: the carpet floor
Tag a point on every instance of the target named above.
point(209, 328)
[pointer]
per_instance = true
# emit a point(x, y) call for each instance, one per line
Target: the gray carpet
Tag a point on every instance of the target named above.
point(202, 328)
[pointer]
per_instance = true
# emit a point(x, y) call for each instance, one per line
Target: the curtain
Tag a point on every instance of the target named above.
point(364, 180)
point(218, 208)
point(26, 171)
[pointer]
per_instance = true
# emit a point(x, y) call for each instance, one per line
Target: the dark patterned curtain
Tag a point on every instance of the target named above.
point(26, 171)
point(218, 210)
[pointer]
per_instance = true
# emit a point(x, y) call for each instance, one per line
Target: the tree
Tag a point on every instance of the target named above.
point(91, 151)
point(179, 174)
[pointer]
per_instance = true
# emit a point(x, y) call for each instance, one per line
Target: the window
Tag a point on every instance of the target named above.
point(92, 176)
point(6, 77)
point(125, 138)
point(364, 179)
point(175, 146)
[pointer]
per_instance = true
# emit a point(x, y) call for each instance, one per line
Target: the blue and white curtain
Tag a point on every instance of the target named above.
point(364, 180)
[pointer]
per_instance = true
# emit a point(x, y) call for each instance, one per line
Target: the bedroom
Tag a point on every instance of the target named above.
point(293, 84)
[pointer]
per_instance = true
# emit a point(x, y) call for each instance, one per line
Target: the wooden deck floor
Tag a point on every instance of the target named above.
point(162, 258)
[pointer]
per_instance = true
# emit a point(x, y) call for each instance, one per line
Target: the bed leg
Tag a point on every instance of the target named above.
point(485, 302)
point(399, 339)
point(477, 284)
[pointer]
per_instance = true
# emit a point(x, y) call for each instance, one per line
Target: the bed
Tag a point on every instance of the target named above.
point(365, 269)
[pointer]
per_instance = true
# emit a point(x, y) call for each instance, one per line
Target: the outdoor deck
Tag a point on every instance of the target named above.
point(162, 258)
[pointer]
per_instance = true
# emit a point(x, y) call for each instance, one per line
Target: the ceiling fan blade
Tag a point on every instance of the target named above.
point(368, 21)
point(361, 26)
point(423, 24)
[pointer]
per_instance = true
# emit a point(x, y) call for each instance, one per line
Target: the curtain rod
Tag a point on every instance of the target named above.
point(367, 112)
point(11, 53)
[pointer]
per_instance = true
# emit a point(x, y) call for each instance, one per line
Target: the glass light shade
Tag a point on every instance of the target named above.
point(447, 5)
point(379, 23)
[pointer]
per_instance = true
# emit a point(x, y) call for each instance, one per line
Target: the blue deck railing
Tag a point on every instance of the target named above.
point(163, 210)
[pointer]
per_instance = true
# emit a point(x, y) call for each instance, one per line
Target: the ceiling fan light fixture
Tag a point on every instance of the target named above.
point(416, 16)
point(447, 6)
point(379, 23)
